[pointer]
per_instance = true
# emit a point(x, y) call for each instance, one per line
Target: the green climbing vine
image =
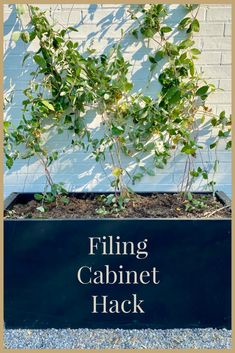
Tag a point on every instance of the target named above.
point(66, 84)
point(184, 91)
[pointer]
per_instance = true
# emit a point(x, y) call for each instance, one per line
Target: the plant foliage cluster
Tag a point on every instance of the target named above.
point(66, 84)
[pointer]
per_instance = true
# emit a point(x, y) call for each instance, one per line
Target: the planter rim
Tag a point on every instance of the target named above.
point(221, 196)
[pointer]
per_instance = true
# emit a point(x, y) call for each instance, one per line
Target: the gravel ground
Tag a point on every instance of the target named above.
point(118, 338)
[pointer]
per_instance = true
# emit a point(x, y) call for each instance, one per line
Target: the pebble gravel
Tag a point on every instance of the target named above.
point(117, 338)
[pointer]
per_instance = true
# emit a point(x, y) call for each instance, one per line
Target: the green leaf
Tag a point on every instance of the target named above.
point(214, 121)
point(152, 59)
point(63, 32)
point(189, 196)
point(172, 49)
point(16, 36)
point(191, 69)
point(65, 200)
point(41, 209)
point(48, 105)
point(78, 71)
point(117, 130)
point(25, 36)
point(147, 32)
point(223, 133)
point(183, 57)
point(184, 22)
point(205, 175)
point(54, 155)
point(175, 98)
point(128, 86)
point(137, 176)
point(135, 33)
point(204, 97)
point(67, 119)
point(173, 95)
point(159, 55)
point(228, 145)
point(213, 145)
point(6, 124)
point(186, 44)
point(32, 35)
point(203, 119)
point(195, 51)
point(195, 26)
point(188, 150)
point(69, 44)
point(222, 115)
point(40, 60)
point(202, 91)
point(9, 162)
point(25, 58)
point(171, 91)
point(194, 173)
point(38, 197)
point(166, 29)
point(72, 29)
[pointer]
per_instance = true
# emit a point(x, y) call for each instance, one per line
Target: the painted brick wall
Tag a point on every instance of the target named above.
point(101, 24)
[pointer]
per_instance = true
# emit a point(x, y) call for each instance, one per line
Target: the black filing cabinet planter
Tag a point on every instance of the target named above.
point(42, 257)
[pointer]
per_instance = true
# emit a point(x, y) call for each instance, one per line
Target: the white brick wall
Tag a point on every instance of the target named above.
point(102, 24)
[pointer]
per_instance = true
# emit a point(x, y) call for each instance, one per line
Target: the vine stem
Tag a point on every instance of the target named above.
point(47, 173)
point(218, 210)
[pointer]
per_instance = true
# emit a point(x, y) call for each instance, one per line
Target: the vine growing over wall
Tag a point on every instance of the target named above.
point(184, 91)
point(66, 84)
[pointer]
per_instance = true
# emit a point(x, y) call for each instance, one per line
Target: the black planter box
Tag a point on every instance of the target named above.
point(42, 259)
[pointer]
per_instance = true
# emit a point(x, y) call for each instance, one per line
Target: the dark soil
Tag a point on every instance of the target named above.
point(140, 206)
